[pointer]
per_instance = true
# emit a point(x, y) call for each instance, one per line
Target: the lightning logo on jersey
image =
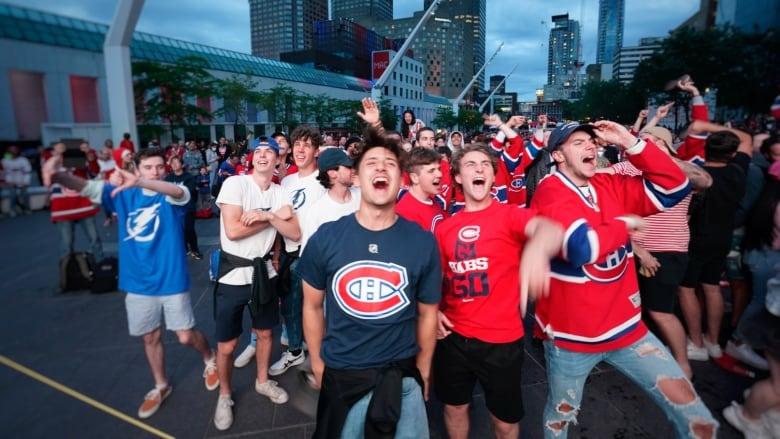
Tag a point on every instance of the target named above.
point(371, 289)
point(298, 198)
point(142, 223)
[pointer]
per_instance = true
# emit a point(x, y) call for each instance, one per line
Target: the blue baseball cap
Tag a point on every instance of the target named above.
point(256, 144)
point(561, 134)
point(332, 158)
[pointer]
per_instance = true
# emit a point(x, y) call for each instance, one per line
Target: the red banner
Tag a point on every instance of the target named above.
point(379, 62)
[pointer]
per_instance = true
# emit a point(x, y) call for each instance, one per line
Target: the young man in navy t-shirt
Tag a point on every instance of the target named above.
point(380, 278)
point(152, 262)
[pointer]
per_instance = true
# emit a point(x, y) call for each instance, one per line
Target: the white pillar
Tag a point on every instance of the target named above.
point(119, 75)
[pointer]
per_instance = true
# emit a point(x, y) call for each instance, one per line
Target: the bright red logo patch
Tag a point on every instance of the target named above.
point(371, 289)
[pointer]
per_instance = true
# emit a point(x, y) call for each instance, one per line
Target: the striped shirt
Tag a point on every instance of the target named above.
point(666, 231)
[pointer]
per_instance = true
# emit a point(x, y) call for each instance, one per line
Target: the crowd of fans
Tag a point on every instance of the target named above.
point(426, 247)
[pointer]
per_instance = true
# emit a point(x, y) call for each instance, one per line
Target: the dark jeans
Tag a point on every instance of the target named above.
point(190, 237)
point(67, 229)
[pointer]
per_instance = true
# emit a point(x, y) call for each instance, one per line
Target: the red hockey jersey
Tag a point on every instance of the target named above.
point(426, 215)
point(69, 205)
point(594, 303)
point(516, 157)
point(692, 149)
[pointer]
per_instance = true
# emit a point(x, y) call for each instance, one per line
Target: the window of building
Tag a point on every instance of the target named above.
point(84, 98)
point(29, 103)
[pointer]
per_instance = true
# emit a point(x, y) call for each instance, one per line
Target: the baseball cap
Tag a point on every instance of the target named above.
point(353, 139)
point(265, 143)
point(332, 158)
point(663, 134)
point(560, 134)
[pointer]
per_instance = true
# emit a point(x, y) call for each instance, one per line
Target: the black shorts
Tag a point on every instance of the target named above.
point(704, 267)
point(659, 293)
point(231, 301)
point(459, 362)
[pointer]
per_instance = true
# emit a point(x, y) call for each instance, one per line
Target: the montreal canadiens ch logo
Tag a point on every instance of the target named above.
point(469, 234)
point(371, 289)
point(518, 183)
point(611, 269)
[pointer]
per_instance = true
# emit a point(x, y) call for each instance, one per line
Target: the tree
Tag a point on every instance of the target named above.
point(163, 92)
point(743, 67)
point(609, 100)
point(236, 92)
point(280, 103)
point(445, 118)
point(469, 120)
point(386, 113)
point(321, 107)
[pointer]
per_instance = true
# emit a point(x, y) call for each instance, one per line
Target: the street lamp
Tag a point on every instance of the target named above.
point(490, 96)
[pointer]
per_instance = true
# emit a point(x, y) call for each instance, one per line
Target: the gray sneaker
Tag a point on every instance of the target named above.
point(287, 361)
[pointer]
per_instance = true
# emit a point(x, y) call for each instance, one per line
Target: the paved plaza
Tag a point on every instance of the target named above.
point(80, 341)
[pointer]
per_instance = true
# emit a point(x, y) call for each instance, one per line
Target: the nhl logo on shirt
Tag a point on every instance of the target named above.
point(371, 289)
point(612, 269)
point(469, 234)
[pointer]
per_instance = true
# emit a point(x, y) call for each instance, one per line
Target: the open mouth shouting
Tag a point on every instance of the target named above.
point(380, 182)
point(479, 181)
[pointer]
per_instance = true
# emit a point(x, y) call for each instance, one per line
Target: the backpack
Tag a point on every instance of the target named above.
point(105, 276)
point(76, 271)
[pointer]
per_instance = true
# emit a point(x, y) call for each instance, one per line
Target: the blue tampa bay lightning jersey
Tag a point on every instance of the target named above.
point(373, 281)
point(152, 260)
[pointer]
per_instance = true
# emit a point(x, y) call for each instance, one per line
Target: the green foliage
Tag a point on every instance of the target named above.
point(469, 120)
point(609, 100)
point(236, 92)
point(386, 114)
point(445, 118)
point(163, 92)
point(743, 67)
point(280, 101)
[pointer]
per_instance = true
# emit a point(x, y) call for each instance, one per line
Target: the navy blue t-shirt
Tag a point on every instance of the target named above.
point(373, 281)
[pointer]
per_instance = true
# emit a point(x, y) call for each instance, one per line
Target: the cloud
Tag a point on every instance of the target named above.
point(523, 25)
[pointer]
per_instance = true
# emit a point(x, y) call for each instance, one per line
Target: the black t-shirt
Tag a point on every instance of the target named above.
point(713, 210)
point(189, 182)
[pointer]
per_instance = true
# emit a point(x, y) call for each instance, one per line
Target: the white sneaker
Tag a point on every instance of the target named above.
point(750, 428)
point(744, 353)
point(713, 349)
point(697, 353)
point(287, 361)
point(223, 416)
point(271, 389)
point(245, 357)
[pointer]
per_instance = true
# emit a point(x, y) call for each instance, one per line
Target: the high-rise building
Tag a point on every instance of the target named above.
point(628, 58)
point(494, 81)
point(362, 9)
point(439, 46)
point(283, 25)
point(610, 40)
point(749, 16)
point(473, 16)
point(341, 46)
point(563, 59)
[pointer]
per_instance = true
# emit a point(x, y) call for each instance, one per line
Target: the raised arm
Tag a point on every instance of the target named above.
point(370, 115)
point(661, 113)
point(745, 140)
point(639, 119)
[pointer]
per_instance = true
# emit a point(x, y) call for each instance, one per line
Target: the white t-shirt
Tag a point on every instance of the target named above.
point(241, 190)
point(325, 210)
point(301, 193)
point(17, 171)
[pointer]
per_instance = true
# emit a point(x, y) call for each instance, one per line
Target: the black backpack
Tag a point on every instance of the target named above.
point(76, 271)
point(105, 276)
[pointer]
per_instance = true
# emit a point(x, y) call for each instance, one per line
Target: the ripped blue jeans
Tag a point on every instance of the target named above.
point(647, 363)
